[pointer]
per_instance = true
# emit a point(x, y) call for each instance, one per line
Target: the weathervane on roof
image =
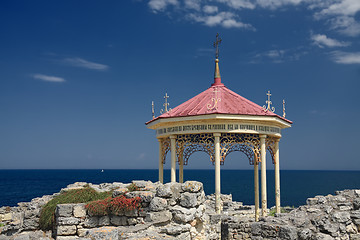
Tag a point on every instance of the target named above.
point(152, 109)
point(284, 114)
point(216, 45)
point(268, 102)
point(166, 104)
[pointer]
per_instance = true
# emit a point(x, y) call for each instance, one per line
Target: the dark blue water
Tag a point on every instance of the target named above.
point(23, 185)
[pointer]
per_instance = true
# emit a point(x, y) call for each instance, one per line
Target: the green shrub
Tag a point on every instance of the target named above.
point(2, 225)
point(282, 210)
point(132, 187)
point(83, 195)
point(117, 205)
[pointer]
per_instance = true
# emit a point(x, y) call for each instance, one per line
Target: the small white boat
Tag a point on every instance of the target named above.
point(102, 170)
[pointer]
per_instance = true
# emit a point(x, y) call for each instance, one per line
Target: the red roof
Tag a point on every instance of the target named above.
point(228, 102)
point(217, 99)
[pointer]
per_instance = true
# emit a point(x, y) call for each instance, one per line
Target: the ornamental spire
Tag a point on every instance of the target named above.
point(217, 77)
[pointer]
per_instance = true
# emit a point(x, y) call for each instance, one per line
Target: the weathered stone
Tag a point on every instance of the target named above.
point(158, 204)
point(132, 221)
point(176, 229)
point(6, 217)
point(118, 220)
point(183, 215)
point(188, 200)
point(355, 214)
point(341, 217)
point(288, 232)
point(305, 234)
point(70, 238)
point(64, 210)
point(131, 213)
point(119, 191)
point(104, 221)
point(172, 189)
point(355, 236)
point(311, 201)
point(351, 228)
point(103, 233)
point(158, 217)
point(67, 221)
point(79, 210)
point(91, 222)
point(31, 224)
point(192, 186)
point(66, 230)
point(322, 236)
point(146, 196)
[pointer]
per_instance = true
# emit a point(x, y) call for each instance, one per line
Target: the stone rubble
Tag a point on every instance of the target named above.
point(182, 211)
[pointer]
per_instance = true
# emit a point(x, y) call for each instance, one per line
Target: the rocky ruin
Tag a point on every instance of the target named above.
point(182, 211)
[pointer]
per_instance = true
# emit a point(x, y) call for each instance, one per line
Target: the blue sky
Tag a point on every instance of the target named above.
point(77, 77)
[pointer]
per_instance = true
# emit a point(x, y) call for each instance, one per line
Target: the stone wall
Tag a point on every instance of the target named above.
point(182, 211)
point(324, 217)
point(169, 210)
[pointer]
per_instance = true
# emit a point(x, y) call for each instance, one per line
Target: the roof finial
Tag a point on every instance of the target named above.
point(284, 113)
point(152, 109)
point(217, 77)
point(166, 104)
point(268, 102)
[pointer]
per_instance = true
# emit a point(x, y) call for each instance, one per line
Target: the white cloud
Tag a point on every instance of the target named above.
point(322, 40)
point(274, 4)
point(224, 19)
point(279, 55)
point(346, 25)
point(346, 57)
point(161, 5)
point(344, 7)
point(48, 78)
point(238, 4)
point(210, 9)
point(79, 62)
point(193, 4)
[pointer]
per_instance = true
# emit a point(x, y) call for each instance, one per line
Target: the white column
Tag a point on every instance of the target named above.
point(173, 158)
point(161, 165)
point(256, 189)
point(217, 172)
point(181, 168)
point(263, 175)
point(277, 176)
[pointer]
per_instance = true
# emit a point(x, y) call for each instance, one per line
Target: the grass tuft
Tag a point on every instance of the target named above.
point(83, 195)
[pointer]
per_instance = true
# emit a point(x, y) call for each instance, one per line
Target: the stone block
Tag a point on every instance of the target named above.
point(183, 215)
point(70, 238)
point(6, 217)
point(341, 217)
point(104, 221)
point(118, 220)
point(103, 233)
point(158, 217)
point(119, 192)
point(66, 230)
point(132, 221)
point(31, 224)
point(91, 222)
point(192, 186)
point(188, 200)
point(67, 221)
point(79, 210)
point(146, 196)
point(131, 213)
point(158, 204)
point(64, 210)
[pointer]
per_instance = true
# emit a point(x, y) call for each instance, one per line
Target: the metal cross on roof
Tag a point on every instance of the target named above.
point(216, 45)
point(284, 114)
point(152, 109)
point(268, 102)
point(166, 104)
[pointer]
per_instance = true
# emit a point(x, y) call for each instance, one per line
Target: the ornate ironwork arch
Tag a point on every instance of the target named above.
point(246, 143)
point(165, 148)
point(270, 146)
point(188, 144)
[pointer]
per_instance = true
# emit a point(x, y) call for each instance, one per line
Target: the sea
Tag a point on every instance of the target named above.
point(296, 186)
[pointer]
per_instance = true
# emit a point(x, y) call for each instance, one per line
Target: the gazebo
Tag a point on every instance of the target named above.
point(218, 121)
